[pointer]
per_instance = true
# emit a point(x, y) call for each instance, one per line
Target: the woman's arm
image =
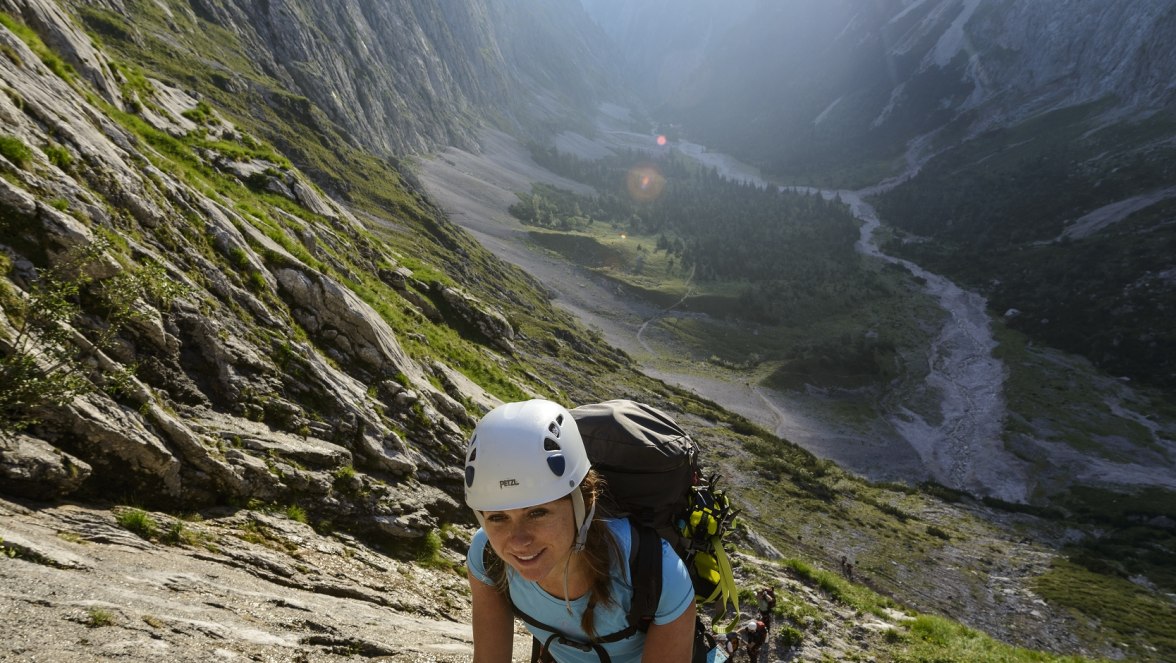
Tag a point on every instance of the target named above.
point(493, 624)
point(672, 642)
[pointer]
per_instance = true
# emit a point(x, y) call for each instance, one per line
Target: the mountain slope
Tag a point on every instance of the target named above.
point(804, 86)
point(228, 318)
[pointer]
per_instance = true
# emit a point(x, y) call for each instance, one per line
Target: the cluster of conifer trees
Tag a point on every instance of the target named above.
point(786, 253)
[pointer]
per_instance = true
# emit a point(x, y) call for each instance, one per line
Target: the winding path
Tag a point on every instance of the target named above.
point(661, 313)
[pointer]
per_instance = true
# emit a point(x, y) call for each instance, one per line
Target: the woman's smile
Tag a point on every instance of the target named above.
point(536, 542)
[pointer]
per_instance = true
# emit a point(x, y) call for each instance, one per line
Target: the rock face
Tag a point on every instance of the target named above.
point(233, 361)
point(34, 469)
point(410, 75)
point(78, 586)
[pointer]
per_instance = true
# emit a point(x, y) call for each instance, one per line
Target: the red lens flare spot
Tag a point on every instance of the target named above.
point(645, 183)
point(661, 140)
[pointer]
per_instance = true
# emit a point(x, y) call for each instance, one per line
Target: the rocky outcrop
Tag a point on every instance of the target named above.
point(33, 468)
point(254, 377)
point(384, 71)
point(489, 322)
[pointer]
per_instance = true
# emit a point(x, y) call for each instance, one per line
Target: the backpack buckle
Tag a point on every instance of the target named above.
point(574, 644)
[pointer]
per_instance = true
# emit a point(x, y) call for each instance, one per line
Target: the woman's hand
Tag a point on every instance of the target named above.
point(671, 643)
point(493, 624)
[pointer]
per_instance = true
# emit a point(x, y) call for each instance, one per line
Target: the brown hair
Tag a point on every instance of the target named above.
point(600, 549)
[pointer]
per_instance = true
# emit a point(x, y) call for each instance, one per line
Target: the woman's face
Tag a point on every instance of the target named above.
point(535, 541)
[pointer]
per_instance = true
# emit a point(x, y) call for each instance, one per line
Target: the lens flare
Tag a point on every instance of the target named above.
point(645, 183)
point(661, 140)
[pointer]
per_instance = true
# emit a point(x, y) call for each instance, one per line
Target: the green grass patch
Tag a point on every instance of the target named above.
point(296, 513)
point(14, 149)
point(59, 156)
point(138, 521)
point(1109, 604)
point(99, 617)
point(33, 41)
point(1063, 398)
point(937, 640)
point(179, 534)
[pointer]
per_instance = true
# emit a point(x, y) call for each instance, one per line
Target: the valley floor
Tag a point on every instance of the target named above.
point(475, 190)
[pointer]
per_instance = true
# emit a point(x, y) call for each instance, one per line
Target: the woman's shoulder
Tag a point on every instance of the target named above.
point(619, 528)
point(475, 559)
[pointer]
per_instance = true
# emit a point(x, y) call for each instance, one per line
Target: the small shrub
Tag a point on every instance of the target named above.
point(789, 637)
point(45, 365)
point(429, 552)
point(256, 282)
point(59, 156)
point(201, 113)
point(98, 617)
point(140, 522)
point(12, 55)
point(937, 532)
point(14, 149)
point(295, 512)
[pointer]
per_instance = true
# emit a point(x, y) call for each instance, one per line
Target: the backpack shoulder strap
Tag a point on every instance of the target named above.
point(645, 574)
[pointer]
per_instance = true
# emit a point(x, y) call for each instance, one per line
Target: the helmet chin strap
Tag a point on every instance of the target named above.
point(583, 521)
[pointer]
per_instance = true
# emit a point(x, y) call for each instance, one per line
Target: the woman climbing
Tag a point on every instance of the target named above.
point(564, 571)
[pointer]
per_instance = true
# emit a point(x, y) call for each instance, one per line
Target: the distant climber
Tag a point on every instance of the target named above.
point(730, 644)
point(847, 568)
point(766, 602)
point(755, 633)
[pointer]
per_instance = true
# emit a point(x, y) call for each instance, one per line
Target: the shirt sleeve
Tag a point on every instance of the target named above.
point(677, 590)
point(475, 561)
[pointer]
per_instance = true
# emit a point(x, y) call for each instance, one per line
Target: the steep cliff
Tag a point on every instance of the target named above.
point(251, 337)
point(397, 77)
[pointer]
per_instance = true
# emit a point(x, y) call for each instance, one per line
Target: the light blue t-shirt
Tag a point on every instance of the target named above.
point(676, 596)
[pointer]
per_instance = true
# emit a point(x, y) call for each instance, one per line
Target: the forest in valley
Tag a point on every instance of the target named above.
point(783, 257)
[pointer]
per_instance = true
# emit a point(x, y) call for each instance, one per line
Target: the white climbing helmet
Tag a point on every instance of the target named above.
point(523, 454)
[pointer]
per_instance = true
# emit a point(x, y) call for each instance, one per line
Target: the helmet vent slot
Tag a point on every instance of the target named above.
point(550, 444)
point(473, 454)
point(469, 476)
point(557, 464)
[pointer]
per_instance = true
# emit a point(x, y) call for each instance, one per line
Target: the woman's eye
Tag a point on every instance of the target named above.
point(495, 518)
point(537, 513)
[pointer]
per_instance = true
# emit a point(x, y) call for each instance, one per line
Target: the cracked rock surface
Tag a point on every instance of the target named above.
point(75, 585)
